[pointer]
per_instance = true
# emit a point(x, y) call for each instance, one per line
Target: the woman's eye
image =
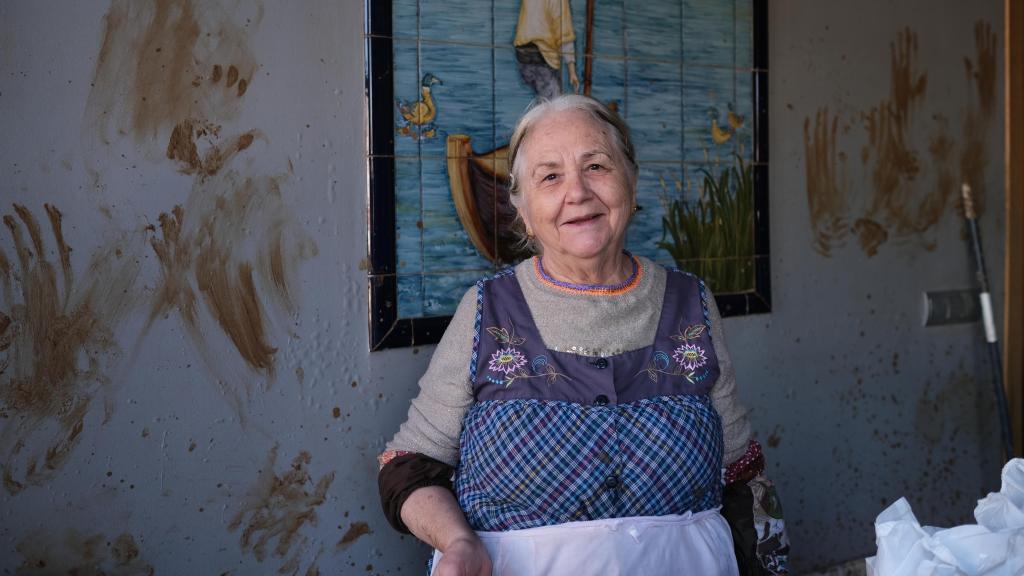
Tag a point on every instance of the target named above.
point(595, 167)
point(549, 177)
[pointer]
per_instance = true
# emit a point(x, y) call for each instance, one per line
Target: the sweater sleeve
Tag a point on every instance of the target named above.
point(735, 425)
point(434, 421)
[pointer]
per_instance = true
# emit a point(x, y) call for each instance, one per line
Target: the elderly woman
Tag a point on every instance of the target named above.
point(579, 416)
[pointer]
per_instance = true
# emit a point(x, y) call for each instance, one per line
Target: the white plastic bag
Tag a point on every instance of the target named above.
point(1004, 510)
point(992, 547)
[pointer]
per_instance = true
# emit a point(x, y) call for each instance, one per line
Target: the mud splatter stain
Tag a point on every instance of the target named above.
point(977, 117)
point(870, 235)
point(355, 531)
point(906, 88)
point(233, 243)
point(174, 72)
point(912, 183)
point(899, 202)
point(75, 553)
point(955, 406)
point(160, 63)
point(189, 135)
point(984, 74)
point(278, 507)
point(827, 188)
point(775, 438)
point(57, 337)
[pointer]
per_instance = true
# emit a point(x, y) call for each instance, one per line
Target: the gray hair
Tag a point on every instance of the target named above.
point(618, 135)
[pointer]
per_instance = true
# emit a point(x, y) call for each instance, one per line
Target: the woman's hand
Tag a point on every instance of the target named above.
point(464, 556)
point(433, 516)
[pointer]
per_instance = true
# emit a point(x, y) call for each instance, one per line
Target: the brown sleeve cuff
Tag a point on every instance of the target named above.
point(404, 474)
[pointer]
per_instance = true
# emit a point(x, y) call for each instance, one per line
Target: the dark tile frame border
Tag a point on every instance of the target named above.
point(387, 330)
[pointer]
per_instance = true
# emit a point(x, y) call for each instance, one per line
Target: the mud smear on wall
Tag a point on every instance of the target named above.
point(827, 185)
point(983, 71)
point(294, 565)
point(278, 507)
point(941, 150)
point(235, 246)
point(902, 205)
point(57, 344)
point(870, 235)
point(162, 62)
point(76, 553)
point(355, 531)
point(174, 74)
point(909, 163)
point(977, 123)
point(193, 143)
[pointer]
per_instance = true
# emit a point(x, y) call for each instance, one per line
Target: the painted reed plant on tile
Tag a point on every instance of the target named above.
point(713, 237)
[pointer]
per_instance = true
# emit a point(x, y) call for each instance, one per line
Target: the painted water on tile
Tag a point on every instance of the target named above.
point(465, 70)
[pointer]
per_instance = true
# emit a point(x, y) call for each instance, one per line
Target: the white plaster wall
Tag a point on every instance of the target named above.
point(856, 403)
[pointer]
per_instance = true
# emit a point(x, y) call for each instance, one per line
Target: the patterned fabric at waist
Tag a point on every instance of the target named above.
point(529, 463)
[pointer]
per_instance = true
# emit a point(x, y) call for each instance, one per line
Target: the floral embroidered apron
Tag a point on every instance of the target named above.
point(617, 459)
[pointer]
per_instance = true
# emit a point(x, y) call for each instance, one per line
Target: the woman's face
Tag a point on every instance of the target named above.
point(576, 197)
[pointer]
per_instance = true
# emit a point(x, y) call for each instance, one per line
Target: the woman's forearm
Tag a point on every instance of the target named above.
point(433, 515)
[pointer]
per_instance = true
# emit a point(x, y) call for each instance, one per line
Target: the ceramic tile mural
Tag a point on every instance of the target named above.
point(446, 82)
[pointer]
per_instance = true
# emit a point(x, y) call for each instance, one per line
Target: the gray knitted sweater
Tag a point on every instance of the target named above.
point(602, 325)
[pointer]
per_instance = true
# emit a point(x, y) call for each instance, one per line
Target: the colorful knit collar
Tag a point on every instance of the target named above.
point(593, 289)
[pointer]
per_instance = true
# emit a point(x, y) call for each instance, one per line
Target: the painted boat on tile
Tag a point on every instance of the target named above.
point(479, 184)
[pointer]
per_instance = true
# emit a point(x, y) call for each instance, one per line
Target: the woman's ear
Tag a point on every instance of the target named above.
point(524, 215)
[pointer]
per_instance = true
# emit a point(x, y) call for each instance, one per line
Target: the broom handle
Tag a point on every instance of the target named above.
point(991, 337)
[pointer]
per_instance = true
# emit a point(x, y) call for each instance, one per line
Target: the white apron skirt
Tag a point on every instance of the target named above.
point(698, 544)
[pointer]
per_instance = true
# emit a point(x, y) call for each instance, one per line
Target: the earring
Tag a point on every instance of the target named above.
point(636, 208)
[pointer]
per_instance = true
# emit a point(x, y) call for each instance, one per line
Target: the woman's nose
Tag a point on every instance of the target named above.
point(578, 188)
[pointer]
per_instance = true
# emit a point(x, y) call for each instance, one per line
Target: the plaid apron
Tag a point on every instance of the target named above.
point(570, 448)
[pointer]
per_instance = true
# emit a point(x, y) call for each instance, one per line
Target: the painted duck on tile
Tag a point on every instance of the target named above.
point(721, 134)
point(417, 118)
point(735, 120)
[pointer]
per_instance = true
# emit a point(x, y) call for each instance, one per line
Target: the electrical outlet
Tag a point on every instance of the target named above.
point(951, 307)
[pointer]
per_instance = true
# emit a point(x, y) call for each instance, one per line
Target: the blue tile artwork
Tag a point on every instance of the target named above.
point(653, 31)
point(678, 71)
point(456, 21)
point(408, 93)
point(743, 38)
point(709, 32)
point(709, 93)
point(405, 18)
point(408, 216)
point(654, 106)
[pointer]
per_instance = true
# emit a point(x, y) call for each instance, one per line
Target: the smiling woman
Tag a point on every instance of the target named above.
point(583, 401)
point(573, 183)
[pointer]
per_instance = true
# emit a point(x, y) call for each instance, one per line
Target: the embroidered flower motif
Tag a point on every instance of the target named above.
point(507, 360)
point(691, 333)
point(509, 363)
point(690, 356)
point(539, 364)
point(661, 361)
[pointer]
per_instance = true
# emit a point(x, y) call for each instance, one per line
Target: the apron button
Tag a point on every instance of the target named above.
point(601, 400)
point(611, 482)
point(600, 363)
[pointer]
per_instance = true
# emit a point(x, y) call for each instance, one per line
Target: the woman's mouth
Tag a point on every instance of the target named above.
point(582, 220)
